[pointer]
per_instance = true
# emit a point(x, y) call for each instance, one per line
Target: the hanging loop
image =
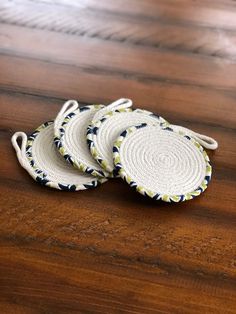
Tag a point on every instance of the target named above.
point(20, 149)
point(206, 141)
point(121, 103)
point(68, 107)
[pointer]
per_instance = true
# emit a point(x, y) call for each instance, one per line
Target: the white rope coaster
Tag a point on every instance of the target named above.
point(39, 156)
point(103, 132)
point(70, 129)
point(161, 163)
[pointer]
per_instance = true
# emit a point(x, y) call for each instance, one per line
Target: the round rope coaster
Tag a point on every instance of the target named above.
point(40, 158)
point(102, 133)
point(70, 128)
point(161, 163)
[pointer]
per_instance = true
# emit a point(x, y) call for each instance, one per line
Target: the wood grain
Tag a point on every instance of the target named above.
point(88, 21)
point(110, 250)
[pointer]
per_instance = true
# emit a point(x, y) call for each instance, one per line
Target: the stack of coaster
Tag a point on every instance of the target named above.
point(86, 145)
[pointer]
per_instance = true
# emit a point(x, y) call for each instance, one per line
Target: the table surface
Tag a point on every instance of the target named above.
point(110, 250)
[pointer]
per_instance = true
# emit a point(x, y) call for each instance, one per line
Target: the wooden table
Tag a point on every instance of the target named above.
point(110, 250)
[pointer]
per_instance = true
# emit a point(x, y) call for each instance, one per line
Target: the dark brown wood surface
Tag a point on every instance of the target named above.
point(110, 250)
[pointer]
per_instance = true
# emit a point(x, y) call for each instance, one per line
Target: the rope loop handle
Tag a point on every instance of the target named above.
point(20, 149)
point(121, 103)
point(206, 141)
point(68, 107)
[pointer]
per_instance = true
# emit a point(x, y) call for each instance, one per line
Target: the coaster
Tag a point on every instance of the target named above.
point(70, 128)
point(161, 163)
point(102, 133)
point(39, 156)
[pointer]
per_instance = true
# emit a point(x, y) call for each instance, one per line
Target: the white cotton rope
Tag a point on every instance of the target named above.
point(162, 163)
point(206, 141)
point(40, 158)
point(119, 104)
point(102, 133)
point(70, 133)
